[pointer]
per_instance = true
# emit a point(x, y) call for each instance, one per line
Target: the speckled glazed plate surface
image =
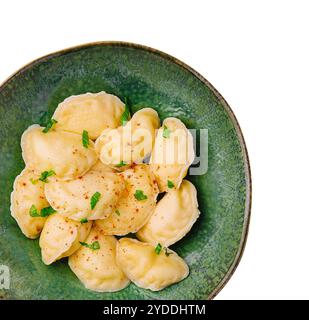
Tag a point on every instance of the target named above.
point(149, 78)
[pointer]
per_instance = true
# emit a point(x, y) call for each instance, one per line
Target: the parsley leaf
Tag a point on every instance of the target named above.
point(167, 253)
point(46, 174)
point(121, 164)
point(117, 212)
point(84, 220)
point(94, 199)
point(34, 211)
point(49, 125)
point(85, 139)
point(93, 246)
point(166, 132)
point(170, 184)
point(45, 212)
point(126, 114)
point(139, 195)
point(158, 248)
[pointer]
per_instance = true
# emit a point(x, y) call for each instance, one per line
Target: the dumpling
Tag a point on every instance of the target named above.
point(135, 206)
point(173, 216)
point(60, 237)
point(73, 198)
point(93, 112)
point(147, 268)
point(97, 268)
point(60, 151)
point(172, 154)
point(130, 143)
point(26, 194)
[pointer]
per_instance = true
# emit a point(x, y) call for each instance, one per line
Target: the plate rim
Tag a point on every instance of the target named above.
point(228, 109)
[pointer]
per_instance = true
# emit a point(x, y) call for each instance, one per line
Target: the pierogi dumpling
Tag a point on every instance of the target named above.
point(130, 143)
point(172, 154)
point(173, 216)
point(147, 268)
point(93, 112)
point(60, 237)
point(136, 204)
point(60, 151)
point(24, 195)
point(73, 198)
point(98, 269)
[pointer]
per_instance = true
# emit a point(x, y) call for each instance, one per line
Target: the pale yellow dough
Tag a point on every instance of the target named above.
point(131, 214)
point(24, 195)
point(60, 151)
point(172, 156)
point(98, 269)
point(147, 269)
point(72, 198)
point(93, 112)
point(173, 216)
point(130, 143)
point(60, 237)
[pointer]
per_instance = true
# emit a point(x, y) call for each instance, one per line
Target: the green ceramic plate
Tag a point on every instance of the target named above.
point(149, 78)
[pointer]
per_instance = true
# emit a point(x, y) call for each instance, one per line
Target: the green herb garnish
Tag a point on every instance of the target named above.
point(49, 125)
point(94, 199)
point(45, 212)
point(117, 212)
point(167, 253)
point(34, 211)
point(170, 184)
point(34, 181)
point(158, 248)
point(139, 195)
point(93, 246)
point(85, 139)
point(84, 220)
point(166, 132)
point(121, 164)
point(126, 114)
point(46, 174)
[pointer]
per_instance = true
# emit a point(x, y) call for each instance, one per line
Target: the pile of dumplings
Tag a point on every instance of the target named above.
point(92, 176)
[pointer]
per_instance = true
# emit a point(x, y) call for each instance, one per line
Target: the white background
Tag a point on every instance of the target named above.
point(256, 53)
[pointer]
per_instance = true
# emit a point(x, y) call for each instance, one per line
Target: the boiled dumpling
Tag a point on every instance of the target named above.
point(148, 268)
point(92, 112)
point(60, 151)
point(96, 267)
point(61, 237)
point(173, 216)
point(172, 154)
point(73, 198)
point(130, 143)
point(25, 195)
point(136, 204)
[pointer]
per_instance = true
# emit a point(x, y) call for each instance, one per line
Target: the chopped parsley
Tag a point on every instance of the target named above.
point(170, 184)
point(117, 212)
point(121, 164)
point(84, 220)
point(139, 195)
point(45, 212)
point(167, 253)
point(49, 125)
point(34, 181)
point(158, 248)
point(93, 246)
point(46, 174)
point(85, 139)
point(166, 132)
point(126, 114)
point(94, 199)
